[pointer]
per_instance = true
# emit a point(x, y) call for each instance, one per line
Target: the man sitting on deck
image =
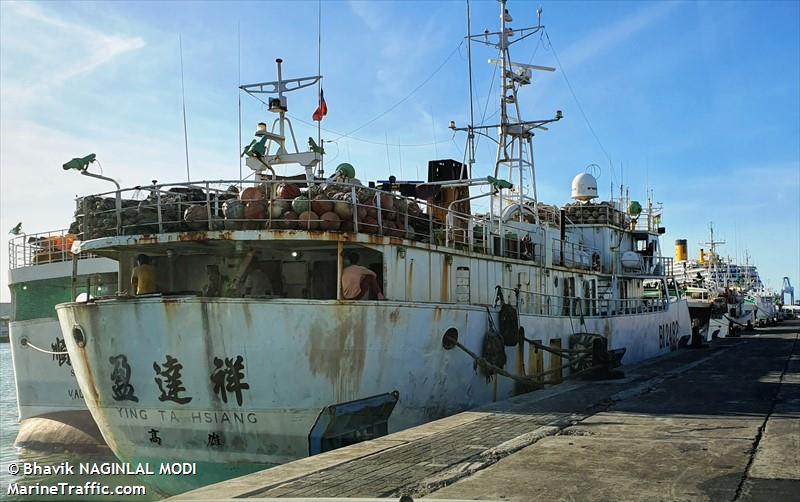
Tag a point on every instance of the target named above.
point(359, 283)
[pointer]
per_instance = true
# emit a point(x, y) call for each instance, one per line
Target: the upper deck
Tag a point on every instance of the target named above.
point(436, 217)
point(47, 255)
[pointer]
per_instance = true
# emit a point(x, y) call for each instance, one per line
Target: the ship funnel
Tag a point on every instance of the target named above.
point(584, 187)
point(702, 256)
point(680, 250)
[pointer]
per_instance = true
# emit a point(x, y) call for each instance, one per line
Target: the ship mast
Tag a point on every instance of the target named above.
point(258, 152)
point(514, 160)
point(712, 246)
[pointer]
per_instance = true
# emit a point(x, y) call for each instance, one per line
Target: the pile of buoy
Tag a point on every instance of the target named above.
point(591, 214)
point(327, 207)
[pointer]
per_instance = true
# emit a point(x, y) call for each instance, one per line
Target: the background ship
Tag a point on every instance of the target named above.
point(52, 411)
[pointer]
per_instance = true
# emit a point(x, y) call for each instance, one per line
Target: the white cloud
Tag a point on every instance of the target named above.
point(42, 52)
point(608, 37)
point(39, 193)
point(369, 12)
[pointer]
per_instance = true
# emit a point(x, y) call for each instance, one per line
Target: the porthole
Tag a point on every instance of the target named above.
point(78, 336)
point(450, 338)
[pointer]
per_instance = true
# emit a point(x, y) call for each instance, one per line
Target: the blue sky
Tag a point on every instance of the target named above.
point(698, 100)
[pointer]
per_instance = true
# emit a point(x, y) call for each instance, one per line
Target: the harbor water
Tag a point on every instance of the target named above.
point(10, 454)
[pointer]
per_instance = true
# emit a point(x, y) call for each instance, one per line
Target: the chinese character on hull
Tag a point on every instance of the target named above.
point(171, 385)
point(229, 379)
point(121, 390)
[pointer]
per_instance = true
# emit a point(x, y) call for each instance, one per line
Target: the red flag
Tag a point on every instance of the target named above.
point(322, 109)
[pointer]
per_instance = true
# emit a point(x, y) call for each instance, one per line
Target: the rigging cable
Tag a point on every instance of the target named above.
point(239, 92)
point(569, 86)
point(470, 134)
point(391, 108)
point(183, 102)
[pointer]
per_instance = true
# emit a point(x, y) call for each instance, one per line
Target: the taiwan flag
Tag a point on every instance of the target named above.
point(322, 109)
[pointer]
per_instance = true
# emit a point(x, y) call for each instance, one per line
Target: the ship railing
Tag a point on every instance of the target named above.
point(660, 266)
point(27, 250)
point(273, 205)
point(576, 255)
point(648, 221)
point(655, 266)
point(532, 303)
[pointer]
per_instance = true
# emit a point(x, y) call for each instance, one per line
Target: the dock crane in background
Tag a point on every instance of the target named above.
point(787, 290)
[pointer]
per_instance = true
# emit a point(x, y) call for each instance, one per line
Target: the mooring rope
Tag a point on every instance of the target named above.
point(564, 353)
point(734, 322)
point(533, 380)
point(26, 343)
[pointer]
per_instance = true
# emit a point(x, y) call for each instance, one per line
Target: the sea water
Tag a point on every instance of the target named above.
point(10, 454)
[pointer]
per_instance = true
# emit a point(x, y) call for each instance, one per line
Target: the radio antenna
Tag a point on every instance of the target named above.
point(183, 102)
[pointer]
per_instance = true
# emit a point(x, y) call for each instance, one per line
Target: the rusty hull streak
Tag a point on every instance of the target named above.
point(340, 355)
point(437, 314)
point(90, 378)
point(193, 236)
point(146, 239)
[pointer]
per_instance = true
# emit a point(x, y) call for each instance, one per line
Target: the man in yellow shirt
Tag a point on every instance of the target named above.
point(143, 279)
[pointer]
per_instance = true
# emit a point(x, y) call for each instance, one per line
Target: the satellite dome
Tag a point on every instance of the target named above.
point(584, 187)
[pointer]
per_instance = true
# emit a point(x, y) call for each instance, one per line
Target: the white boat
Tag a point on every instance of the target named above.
point(760, 304)
point(212, 371)
point(716, 289)
point(52, 412)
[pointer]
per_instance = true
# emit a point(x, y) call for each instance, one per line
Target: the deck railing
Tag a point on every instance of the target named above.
point(574, 306)
point(574, 255)
point(38, 249)
point(320, 205)
point(274, 204)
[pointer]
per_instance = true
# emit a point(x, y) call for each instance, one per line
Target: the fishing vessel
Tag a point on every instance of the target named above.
point(52, 412)
point(716, 289)
point(252, 351)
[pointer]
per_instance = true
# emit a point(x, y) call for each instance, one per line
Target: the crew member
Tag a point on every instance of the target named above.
point(257, 282)
point(143, 278)
point(359, 283)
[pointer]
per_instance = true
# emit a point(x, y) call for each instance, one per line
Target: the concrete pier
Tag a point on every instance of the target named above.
point(719, 423)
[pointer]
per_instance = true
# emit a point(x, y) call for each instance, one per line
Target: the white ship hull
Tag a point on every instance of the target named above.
point(299, 356)
point(52, 412)
point(45, 383)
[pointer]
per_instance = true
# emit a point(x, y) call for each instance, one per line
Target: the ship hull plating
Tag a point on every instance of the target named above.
point(243, 382)
point(52, 412)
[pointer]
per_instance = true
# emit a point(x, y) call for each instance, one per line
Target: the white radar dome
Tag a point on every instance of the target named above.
point(584, 187)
